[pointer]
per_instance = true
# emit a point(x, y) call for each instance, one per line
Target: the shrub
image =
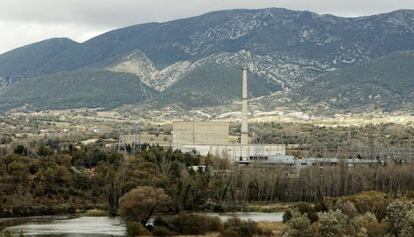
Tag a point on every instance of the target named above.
point(237, 227)
point(375, 202)
point(348, 208)
point(213, 223)
point(320, 207)
point(368, 225)
point(190, 224)
point(408, 229)
point(136, 229)
point(308, 209)
point(230, 232)
point(332, 223)
point(162, 231)
point(396, 214)
point(96, 212)
point(299, 226)
point(142, 202)
point(160, 221)
point(302, 208)
point(287, 216)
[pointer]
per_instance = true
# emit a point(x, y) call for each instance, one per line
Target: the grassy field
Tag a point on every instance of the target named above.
point(268, 207)
point(277, 228)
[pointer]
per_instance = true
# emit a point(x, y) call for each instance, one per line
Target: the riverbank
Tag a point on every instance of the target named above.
point(268, 207)
point(113, 226)
point(46, 210)
point(276, 228)
point(99, 210)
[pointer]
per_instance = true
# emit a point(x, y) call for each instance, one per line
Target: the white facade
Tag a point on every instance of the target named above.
point(203, 133)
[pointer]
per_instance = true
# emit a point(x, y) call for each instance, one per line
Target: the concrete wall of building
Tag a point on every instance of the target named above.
point(203, 133)
point(183, 133)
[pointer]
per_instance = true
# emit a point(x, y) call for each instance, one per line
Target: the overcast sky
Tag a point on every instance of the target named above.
point(26, 21)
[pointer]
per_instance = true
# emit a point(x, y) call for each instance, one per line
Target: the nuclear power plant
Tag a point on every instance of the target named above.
point(214, 137)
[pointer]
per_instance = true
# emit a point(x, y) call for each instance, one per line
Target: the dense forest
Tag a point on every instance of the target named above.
point(51, 177)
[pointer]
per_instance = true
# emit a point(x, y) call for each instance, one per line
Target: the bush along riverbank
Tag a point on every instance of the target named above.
point(371, 214)
point(48, 210)
point(194, 224)
point(139, 205)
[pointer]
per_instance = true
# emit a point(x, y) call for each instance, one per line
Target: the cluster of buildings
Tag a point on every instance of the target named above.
point(213, 137)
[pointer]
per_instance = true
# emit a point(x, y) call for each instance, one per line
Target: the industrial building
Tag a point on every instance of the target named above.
point(200, 133)
point(210, 137)
point(237, 152)
point(213, 137)
point(291, 162)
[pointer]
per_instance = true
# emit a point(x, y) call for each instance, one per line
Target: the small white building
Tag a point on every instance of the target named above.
point(292, 162)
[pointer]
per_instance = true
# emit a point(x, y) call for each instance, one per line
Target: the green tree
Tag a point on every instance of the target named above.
point(44, 151)
point(253, 189)
point(396, 214)
point(332, 223)
point(368, 225)
point(300, 226)
point(408, 229)
point(141, 203)
point(20, 150)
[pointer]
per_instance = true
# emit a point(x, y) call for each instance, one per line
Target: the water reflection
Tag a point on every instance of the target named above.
point(52, 226)
point(65, 226)
point(254, 216)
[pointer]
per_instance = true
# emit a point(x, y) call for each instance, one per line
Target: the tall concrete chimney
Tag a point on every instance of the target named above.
point(244, 120)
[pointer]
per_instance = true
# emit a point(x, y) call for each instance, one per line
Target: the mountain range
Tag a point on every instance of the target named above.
point(307, 60)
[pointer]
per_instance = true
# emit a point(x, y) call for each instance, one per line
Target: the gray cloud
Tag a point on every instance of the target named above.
point(26, 21)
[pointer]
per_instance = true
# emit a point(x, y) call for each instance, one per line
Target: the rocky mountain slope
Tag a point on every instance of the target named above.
point(386, 83)
point(196, 62)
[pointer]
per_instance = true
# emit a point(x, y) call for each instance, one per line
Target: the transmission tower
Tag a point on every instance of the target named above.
point(129, 142)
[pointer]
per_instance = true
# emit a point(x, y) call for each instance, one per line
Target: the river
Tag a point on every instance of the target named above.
point(64, 226)
point(71, 226)
point(254, 216)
